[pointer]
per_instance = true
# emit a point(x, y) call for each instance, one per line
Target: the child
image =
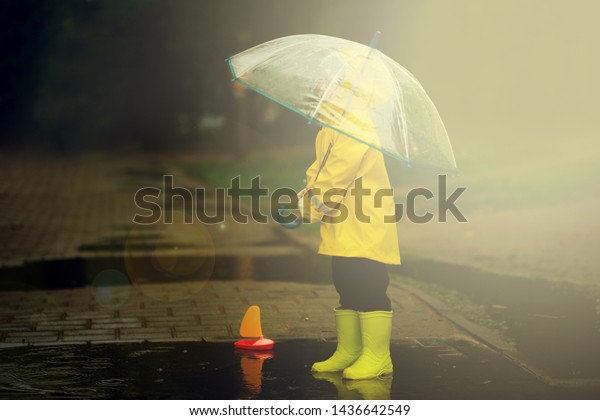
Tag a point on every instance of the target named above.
point(348, 190)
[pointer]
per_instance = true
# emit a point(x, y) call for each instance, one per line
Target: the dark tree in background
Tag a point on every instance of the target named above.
point(94, 73)
point(89, 74)
point(81, 74)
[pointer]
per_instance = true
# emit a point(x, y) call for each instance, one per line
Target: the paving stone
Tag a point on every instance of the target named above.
point(89, 315)
point(105, 338)
point(62, 325)
point(145, 333)
point(86, 332)
point(31, 337)
point(9, 328)
point(171, 323)
point(113, 325)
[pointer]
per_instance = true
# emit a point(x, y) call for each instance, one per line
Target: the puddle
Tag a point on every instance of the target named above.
point(80, 272)
point(556, 326)
point(174, 252)
point(216, 371)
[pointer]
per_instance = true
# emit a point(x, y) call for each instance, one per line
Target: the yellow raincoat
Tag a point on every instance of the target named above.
point(349, 163)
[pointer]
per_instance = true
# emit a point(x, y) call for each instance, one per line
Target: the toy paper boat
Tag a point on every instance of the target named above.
point(250, 327)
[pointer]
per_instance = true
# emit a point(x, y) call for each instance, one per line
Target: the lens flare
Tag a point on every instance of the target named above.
point(111, 288)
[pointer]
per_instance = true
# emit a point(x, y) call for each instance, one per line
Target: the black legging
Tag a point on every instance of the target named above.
point(361, 284)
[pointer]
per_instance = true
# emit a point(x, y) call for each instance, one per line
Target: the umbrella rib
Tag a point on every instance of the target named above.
point(410, 76)
point(312, 117)
point(400, 99)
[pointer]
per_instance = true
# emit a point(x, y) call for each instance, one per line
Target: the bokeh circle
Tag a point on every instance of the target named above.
point(170, 261)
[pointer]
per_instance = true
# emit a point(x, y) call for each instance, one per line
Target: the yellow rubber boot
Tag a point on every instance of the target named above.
point(375, 360)
point(349, 343)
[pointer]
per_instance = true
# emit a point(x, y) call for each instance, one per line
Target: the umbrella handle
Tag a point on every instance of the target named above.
point(375, 40)
point(283, 219)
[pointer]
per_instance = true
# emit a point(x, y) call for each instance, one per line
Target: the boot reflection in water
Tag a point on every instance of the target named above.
point(370, 389)
point(373, 389)
point(344, 393)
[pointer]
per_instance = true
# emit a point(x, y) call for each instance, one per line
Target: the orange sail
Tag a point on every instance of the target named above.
point(251, 328)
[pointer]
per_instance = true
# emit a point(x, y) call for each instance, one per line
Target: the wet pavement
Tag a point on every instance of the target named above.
point(556, 326)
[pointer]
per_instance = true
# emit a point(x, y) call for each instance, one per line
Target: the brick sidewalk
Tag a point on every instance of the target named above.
point(212, 312)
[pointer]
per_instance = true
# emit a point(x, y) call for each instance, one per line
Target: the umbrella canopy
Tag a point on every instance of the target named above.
point(352, 88)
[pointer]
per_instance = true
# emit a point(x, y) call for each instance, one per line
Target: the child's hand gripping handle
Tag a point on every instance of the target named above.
point(290, 218)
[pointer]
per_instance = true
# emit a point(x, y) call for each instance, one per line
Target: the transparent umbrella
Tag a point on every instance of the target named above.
point(352, 88)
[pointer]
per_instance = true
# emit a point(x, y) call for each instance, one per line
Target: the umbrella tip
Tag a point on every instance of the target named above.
point(375, 39)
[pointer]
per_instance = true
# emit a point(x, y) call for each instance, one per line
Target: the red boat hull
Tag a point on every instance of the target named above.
point(255, 344)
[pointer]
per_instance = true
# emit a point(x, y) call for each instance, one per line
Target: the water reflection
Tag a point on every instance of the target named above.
point(371, 389)
point(251, 364)
point(199, 370)
point(51, 372)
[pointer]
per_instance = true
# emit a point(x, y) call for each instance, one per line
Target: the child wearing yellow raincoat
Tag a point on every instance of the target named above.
point(348, 190)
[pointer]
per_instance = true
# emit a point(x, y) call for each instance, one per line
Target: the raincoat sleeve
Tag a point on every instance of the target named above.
point(326, 189)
